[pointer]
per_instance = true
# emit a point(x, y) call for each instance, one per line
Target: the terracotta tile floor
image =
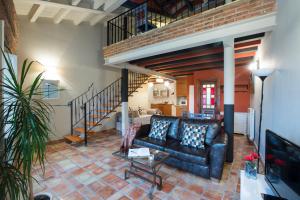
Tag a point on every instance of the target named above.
point(74, 173)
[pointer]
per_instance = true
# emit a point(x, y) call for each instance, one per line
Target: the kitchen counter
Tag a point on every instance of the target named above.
point(165, 108)
point(180, 109)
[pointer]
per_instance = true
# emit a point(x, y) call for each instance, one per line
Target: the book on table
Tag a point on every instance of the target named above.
point(139, 153)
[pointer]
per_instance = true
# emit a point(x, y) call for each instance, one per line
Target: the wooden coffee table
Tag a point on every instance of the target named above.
point(145, 166)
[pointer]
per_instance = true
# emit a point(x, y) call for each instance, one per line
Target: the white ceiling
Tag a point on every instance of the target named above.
point(78, 11)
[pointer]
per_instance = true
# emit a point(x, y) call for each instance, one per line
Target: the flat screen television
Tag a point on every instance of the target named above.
point(282, 166)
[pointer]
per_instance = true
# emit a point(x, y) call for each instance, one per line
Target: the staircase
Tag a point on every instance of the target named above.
point(91, 109)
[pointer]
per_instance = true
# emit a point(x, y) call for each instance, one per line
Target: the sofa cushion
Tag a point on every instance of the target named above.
point(213, 128)
point(159, 129)
point(188, 154)
point(194, 135)
point(153, 143)
point(173, 129)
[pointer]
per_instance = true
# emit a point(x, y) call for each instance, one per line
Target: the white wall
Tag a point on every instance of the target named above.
point(140, 98)
point(281, 51)
point(74, 56)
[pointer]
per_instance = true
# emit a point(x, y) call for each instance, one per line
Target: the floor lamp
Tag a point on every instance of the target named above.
point(262, 74)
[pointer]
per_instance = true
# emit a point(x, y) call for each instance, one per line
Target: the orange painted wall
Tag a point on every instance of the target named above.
point(242, 77)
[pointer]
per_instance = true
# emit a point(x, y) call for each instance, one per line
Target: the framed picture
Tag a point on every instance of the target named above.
point(50, 89)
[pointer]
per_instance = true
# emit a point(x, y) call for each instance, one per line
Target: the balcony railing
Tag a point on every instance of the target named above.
point(152, 14)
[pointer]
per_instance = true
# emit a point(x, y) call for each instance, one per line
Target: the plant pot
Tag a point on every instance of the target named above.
point(250, 170)
point(43, 196)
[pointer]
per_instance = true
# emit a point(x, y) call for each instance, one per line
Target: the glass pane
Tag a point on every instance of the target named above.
point(212, 101)
point(204, 91)
point(208, 96)
point(212, 91)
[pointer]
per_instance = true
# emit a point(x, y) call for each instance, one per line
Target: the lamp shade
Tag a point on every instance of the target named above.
point(262, 72)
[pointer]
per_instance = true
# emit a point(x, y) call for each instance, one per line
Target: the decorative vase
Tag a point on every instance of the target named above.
point(250, 170)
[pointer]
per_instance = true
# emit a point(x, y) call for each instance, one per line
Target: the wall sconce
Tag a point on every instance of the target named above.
point(50, 73)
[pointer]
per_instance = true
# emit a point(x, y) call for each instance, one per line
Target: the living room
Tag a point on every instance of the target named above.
point(180, 97)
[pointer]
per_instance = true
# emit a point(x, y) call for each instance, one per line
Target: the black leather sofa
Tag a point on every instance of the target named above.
point(207, 162)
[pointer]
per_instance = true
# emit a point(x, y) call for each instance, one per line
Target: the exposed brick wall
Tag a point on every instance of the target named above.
point(233, 12)
point(8, 14)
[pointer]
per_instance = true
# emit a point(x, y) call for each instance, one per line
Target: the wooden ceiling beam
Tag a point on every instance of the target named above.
point(98, 3)
point(35, 12)
point(62, 13)
point(200, 69)
point(244, 55)
point(238, 61)
point(200, 61)
point(250, 37)
point(183, 74)
point(248, 49)
point(197, 68)
point(96, 19)
point(190, 55)
point(81, 18)
point(192, 67)
point(179, 52)
point(66, 6)
point(243, 45)
point(181, 57)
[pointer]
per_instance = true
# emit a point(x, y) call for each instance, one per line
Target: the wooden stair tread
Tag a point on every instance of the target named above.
point(74, 138)
point(96, 116)
point(81, 130)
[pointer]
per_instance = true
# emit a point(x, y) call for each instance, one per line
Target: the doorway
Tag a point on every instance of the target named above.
point(208, 98)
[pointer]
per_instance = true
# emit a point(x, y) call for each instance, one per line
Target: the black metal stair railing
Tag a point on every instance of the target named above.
point(153, 14)
point(92, 111)
point(101, 105)
point(76, 104)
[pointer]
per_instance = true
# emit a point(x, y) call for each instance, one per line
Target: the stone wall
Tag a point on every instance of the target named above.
point(8, 14)
point(229, 13)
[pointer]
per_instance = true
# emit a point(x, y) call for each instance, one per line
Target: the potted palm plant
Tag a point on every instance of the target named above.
point(25, 130)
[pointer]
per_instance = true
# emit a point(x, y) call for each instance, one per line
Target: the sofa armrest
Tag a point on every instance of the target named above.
point(217, 156)
point(143, 131)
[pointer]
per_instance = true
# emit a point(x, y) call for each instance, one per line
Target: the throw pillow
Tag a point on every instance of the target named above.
point(194, 135)
point(159, 129)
